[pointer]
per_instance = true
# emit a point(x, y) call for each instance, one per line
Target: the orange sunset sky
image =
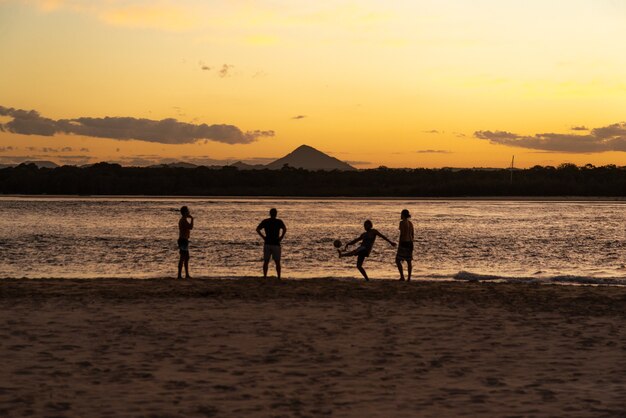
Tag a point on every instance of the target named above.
point(421, 83)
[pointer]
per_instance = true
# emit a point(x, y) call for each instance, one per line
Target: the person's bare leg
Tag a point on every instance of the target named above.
point(277, 268)
point(180, 267)
point(359, 265)
point(265, 265)
point(187, 276)
point(399, 264)
point(409, 267)
point(348, 254)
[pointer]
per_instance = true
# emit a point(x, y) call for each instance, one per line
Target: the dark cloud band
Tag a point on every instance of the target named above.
point(165, 131)
point(608, 138)
point(433, 151)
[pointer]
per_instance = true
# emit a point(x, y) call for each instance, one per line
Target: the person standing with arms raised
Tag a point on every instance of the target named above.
point(275, 231)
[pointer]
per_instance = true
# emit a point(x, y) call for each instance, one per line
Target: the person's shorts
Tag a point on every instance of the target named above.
point(183, 245)
point(271, 251)
point(363, 250)
point(362, 253)
point(405, 251)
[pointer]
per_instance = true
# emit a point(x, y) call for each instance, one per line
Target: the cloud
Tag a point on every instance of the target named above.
point(64, 149)
point(299, 117)
point(433, 151)
point(179, 111)
point(432, 131)
point(165, 131)
point(617, 130)
point(27, 122)
point(357, 162)
point(58, 155)
point(608, 138)
point(579, 128)
point(77, 160)
point(142, 160)
point(225, 70)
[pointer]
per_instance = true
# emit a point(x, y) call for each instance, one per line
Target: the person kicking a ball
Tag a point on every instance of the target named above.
point(363, 250)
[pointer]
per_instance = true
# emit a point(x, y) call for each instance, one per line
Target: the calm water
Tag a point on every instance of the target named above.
point(568, 242)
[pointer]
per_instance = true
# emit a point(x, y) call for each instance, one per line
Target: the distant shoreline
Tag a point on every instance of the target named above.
point(332, 198)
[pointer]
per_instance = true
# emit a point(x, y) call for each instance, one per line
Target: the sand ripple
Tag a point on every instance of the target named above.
point(206, 348)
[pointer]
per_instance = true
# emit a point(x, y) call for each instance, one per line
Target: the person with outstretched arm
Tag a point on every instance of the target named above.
point(274, 231)
point(363, 250)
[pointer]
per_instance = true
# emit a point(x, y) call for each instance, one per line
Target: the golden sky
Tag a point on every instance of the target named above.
point(420, 83)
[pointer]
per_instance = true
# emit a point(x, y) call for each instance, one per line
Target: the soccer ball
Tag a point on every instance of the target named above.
point(337, 243)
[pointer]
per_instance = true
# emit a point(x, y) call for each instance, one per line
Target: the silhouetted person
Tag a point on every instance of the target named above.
point(367, 242)
point(405, 244)
point(275, 231)
point(184, 231)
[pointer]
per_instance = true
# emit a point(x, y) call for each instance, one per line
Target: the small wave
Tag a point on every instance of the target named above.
point(614, 281)
point(474, 277)
point(565, 279)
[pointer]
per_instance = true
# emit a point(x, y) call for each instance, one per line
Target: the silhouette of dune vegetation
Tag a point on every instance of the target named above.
point(113, 179)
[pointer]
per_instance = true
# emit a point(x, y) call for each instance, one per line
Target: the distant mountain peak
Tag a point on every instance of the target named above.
point(42, 163)
point(245, 166)
point(309, 158)
point(178, 164)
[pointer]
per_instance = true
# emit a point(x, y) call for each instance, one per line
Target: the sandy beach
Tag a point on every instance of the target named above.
point(204, 348)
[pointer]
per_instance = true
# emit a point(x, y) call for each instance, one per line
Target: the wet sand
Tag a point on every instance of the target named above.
point(203, 348)
point(564, 198)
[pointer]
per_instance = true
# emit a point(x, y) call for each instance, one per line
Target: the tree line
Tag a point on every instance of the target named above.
point(113, 179)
